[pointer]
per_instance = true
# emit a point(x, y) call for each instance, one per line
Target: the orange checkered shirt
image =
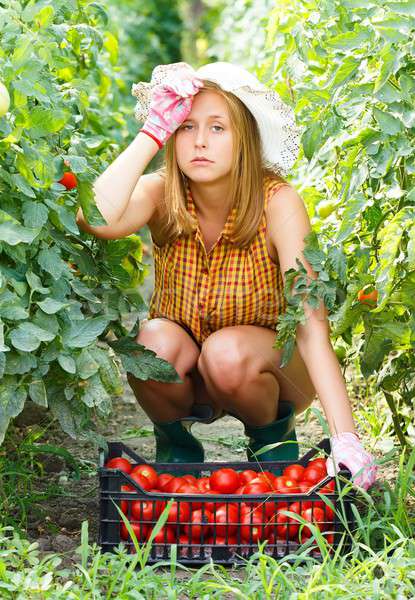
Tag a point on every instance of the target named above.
point(229, 286)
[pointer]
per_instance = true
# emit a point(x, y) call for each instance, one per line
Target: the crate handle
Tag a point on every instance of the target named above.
point(323, 445)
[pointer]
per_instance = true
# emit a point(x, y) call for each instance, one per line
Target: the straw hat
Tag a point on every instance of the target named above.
point(280, 136)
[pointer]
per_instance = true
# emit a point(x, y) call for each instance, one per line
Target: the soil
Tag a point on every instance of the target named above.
point(56, 522)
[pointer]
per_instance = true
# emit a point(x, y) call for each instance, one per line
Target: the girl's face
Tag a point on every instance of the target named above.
point(206, 132)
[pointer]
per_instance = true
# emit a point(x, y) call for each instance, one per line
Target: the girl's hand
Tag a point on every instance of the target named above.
point(171, 103)
point(347, 449)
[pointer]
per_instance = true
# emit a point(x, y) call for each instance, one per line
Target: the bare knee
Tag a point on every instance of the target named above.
point(170, 342)
point(224, 366)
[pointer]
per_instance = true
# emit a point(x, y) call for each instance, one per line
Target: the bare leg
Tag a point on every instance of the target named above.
point(164, 402)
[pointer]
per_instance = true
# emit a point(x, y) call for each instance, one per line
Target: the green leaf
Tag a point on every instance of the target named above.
point(94, 392)
point(35, 214)
point(66, 218)
point(86, 363)
point(35, 283)
point(51, 262)
point(27, 336)
point(16, 234)
point(2, 363)
point(37, 392)
point(349, 40)
point(51, 306)
point(12, 399)
point(86, 198)
point(81, 333)
point(387, 122)
point(346, 70)
point(147, 365)
point(14, 311)
point(80, 288)
point(22, 185)
point(18, 363)
point(67, 363)
point(411, 246)
point(390, 63)
point(355, 205)
point(311, 139)
point(44, 121)
point(390, 237)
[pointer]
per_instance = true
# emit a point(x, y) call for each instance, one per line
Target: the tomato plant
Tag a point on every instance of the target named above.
point(64, 294)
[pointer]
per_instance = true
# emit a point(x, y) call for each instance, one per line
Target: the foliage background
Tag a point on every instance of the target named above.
point(348, 71)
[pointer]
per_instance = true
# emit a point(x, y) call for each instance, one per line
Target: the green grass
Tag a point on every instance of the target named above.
point(380, 564)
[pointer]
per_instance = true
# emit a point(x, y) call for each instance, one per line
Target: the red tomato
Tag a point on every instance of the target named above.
point(183, 539)
point(160, 504)
point(329, 537)
point(188, 488)
point(304, 486)
point(320, 463)
point(259, 487)
point(314, 515)
point(68, 180)
point(149, 472)
point(190, 478)
point(173, 485)
point(261, 479)
point(124, 503)
point(298, 507)
point(225, 481)
point(203, 484)
point(246, 476)
point(140, 530)
point(119, 463)
point(145, 510)
point(142, 481)
point(284, 525)
point(201, 522)
point(253, 525)
point(240, 490)
point(225, 519)
point(279, 481)
point(178, 514)
point(212, 506)
point(163, 478)
point(331, 484)
point(313, 475)
point(268, 477)
point(289, 487)
point(166, 534)
point(294, 472)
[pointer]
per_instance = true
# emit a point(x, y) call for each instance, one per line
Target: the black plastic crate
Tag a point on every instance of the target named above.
point(230, 547)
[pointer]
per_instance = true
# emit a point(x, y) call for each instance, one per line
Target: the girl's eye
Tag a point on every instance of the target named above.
point(217, 127)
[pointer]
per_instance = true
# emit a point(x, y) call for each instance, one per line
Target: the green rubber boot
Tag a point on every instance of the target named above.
point(176, 444)
point(281, 430)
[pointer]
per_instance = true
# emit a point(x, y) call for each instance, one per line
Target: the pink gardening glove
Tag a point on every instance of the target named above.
point(171, 103)
point(347, 449)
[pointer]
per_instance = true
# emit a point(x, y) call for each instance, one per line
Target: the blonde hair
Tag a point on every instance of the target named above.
point(246, 184)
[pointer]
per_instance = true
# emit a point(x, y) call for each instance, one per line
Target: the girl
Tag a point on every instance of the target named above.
point(226, 226)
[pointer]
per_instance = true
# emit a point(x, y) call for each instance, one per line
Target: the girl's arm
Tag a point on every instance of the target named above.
point(114, 187)
point(289, 224)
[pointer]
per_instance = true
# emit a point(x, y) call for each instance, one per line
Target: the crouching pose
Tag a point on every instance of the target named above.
point(225, 226)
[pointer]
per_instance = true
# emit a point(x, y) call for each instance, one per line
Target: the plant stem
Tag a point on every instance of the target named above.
point(395, 418)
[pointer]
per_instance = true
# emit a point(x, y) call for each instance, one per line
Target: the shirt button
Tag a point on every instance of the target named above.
point(204, 270)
